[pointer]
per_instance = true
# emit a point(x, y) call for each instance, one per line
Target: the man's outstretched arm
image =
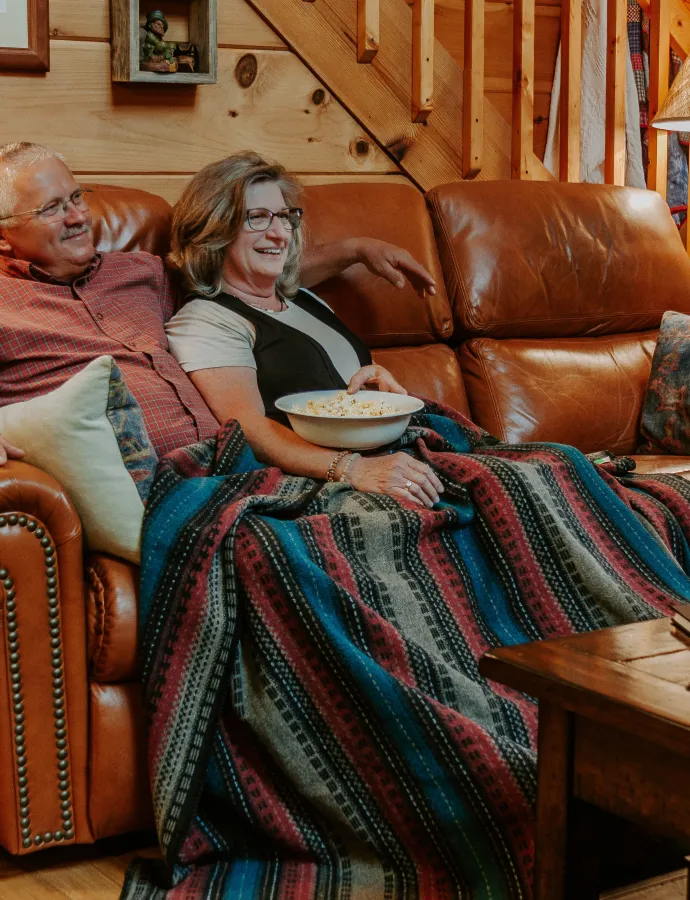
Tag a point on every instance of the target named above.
point(386, 260)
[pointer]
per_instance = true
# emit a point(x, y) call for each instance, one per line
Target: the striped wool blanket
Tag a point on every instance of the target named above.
point(318, 727)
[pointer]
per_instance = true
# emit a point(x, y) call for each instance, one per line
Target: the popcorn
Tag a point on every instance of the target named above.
point(344, 405)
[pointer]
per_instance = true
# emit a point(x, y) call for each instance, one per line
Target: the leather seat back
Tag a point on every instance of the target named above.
point(381, 314)
point(407, 326)
point(129, 219)
point(557, 290)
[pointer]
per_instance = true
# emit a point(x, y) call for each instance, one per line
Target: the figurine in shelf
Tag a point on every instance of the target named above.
point(157, 54)
point(186, 56)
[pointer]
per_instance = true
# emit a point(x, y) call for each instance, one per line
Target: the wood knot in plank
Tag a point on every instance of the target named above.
point(359, 147)
point(246, 69)
point(318, 96)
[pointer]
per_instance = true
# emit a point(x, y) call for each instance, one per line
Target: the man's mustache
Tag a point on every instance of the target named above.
point(74, 231)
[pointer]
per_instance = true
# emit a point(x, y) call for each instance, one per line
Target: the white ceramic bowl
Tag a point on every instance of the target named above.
point(350, 432)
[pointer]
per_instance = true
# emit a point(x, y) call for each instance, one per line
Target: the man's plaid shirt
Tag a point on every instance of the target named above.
point(49, 330)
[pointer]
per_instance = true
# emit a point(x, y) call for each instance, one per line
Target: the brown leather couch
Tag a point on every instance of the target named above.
point(542, 328)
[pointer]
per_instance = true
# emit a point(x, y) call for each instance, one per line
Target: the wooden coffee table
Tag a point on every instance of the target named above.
point(614, 731)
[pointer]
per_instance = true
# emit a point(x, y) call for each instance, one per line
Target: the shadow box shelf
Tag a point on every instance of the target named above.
point(127, 30)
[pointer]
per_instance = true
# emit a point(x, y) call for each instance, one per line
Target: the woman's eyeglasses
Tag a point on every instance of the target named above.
point(56, 210)
point(262, 219)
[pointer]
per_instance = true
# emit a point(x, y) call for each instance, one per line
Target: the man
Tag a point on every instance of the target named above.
point(62, 304)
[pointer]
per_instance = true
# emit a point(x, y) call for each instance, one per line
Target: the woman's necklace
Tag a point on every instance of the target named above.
point(281, 308)
point(282, 305)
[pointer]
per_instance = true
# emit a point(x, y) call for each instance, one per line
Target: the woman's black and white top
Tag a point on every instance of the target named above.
point(305, 347)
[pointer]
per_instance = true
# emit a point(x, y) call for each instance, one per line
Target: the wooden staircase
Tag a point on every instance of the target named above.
point(380, 58)
point(329, 35)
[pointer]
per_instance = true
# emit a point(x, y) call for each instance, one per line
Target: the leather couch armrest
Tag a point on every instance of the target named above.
point(43, 681)
point(112, 604)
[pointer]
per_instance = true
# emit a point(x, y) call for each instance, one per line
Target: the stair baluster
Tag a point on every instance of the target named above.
point(367, 30)
point(422, 59)
point(522, 145)
point(473, 90)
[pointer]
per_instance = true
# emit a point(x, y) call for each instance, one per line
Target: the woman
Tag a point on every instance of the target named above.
point(249, 334)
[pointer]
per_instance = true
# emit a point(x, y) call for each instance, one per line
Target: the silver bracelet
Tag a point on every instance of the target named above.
point(346, 467)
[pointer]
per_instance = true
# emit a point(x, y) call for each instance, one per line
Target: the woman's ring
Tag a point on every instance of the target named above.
point(408, 484)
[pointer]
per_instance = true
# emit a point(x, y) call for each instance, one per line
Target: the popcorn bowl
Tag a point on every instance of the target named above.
point(349, 432)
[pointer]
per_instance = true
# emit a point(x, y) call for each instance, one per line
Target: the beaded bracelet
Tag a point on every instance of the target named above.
point(346, 467)
point(330, 472)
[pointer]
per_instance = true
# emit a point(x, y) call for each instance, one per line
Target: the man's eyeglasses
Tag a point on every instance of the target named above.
point(56, 210)
point(261, 219)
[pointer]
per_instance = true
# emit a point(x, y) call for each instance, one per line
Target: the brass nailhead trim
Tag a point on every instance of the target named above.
point(66, 832)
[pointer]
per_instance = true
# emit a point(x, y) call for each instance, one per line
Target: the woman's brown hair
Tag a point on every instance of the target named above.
point(210, 213)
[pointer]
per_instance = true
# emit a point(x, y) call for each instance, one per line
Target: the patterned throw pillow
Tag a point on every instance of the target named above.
point(89, 434)
point(665, 424)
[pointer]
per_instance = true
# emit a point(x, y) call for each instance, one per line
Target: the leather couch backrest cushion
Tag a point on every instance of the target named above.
point(430, 371)
point(544, 259)
point(129, 219)
point(582, 391)
point(381, 314)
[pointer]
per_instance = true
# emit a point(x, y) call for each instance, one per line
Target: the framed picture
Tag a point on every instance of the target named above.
point(24, 35)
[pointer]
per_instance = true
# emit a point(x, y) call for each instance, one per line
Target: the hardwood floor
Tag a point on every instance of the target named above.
point(97, 873)
point(79, 873)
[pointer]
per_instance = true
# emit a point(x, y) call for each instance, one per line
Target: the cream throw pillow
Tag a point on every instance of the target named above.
point(89, 434)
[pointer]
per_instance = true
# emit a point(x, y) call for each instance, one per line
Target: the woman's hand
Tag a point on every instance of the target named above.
point(374, 375)
point(399, 475)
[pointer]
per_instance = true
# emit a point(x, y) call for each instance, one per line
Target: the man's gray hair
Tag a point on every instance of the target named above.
point(14, 157)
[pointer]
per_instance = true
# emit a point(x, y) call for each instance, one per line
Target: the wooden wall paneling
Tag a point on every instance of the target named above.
point(170, 187)
point(571, 73)
point(617, 41)
point(422, 59)
point(238, 24)
point(659, 36)
point(367, 30)
point(473, 89)
point(522, 145)
point(284, 112)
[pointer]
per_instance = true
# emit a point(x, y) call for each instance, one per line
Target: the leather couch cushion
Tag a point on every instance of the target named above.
point(112, 602)
point(129, 219)
point(383, 315)
point(431, 371)
point(582, 391)
point(536, 259)
point(120, 798)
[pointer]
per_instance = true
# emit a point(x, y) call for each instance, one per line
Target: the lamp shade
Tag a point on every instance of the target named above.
point(674, 114)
